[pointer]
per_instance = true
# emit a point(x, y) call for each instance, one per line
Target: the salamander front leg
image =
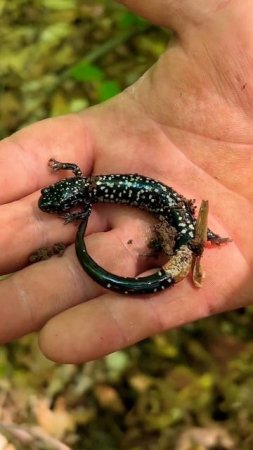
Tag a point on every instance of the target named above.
point(57, 165)
point(79, 215)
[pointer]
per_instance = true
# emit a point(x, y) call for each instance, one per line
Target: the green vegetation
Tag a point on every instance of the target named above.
point(61, 56)
point(189, 389)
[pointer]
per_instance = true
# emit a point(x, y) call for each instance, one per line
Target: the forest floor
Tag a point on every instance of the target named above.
point(188, 389)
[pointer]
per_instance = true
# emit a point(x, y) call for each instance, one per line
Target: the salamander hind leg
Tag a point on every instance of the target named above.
point(215, 239)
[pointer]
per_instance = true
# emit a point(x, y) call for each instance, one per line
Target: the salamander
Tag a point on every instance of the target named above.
point(134, 190)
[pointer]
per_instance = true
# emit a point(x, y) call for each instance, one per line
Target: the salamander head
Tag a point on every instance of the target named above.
point(64, 195)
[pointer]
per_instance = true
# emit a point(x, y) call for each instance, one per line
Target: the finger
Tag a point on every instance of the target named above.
point(24, 228)
point(42, 290)
point(111, 321)
point(24, 155)
point(175, 14)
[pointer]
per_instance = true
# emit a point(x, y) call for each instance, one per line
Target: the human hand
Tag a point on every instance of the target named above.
point(186, 122)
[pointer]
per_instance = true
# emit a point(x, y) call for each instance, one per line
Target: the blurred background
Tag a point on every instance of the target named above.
point(188, 389)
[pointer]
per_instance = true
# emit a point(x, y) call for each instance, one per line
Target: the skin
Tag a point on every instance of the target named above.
point(186, 122)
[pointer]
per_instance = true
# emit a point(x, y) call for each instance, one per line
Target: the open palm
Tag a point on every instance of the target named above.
point(188, 123)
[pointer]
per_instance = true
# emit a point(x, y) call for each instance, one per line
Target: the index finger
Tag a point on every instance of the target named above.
point(24, 155)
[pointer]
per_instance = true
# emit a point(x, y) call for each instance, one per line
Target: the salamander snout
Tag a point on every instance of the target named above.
point(51, 199)
point(45, 204)
point(45, 191)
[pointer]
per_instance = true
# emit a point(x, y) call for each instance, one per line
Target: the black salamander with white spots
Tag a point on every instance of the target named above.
point(134, 190)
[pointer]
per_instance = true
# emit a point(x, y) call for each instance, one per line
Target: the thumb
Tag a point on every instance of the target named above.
point(175, 14)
